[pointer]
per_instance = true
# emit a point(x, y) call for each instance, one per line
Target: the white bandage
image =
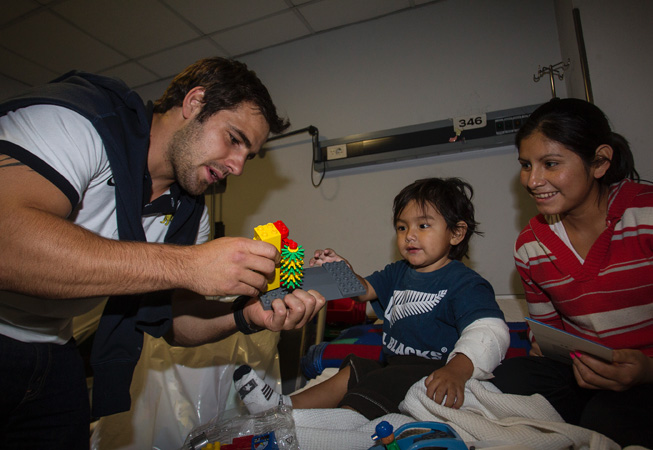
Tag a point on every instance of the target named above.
point(485, 342)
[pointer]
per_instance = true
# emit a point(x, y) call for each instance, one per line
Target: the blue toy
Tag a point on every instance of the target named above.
point(385, 435)
point(418, 435)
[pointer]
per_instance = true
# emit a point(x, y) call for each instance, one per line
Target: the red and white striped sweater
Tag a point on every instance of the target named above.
point(608, 298)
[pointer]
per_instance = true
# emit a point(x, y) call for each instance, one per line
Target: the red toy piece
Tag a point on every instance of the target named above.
point(283, 229)
point(239, 443)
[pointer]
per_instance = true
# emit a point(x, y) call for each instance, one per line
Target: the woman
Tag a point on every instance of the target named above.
point(586, 264)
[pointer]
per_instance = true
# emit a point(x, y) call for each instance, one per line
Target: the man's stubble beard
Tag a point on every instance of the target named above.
point(180, 155)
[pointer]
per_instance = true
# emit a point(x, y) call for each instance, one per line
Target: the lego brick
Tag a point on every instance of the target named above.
point(292, 263)
point(332, 280)
point(282, 228)
point(269, 296)
point(348, 283)
point(270, 233)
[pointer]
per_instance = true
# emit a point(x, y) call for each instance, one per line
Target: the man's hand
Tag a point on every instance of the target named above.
point(628, 368)
point(232, 266)
point(293, 312)
point(198, 321)
point(446, 386)
point(89, 265)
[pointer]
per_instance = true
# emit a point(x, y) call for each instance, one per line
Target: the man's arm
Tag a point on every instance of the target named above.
point(198, 321)
point(43, 254)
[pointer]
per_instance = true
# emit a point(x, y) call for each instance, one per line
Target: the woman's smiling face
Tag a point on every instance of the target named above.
point(556, 178)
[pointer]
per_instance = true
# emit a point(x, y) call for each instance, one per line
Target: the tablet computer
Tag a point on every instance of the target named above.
point(556, 344)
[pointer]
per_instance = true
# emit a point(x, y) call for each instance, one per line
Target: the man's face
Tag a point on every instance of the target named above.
point(201, 154)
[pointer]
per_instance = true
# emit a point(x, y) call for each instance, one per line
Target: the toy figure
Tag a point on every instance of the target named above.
point(385, 435)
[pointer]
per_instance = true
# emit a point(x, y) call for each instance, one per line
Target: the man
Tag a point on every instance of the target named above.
point(87, 175)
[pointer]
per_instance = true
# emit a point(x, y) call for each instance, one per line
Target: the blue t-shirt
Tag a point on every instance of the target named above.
point(425, 313)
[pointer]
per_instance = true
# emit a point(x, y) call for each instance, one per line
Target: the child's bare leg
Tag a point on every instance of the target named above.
point(324, 395)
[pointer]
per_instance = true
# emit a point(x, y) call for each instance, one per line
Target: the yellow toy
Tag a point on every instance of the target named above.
point(291, 272)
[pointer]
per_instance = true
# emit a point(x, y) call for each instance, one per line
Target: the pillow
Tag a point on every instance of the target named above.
point(519, 343)
point(365, 341)
point(361, 340)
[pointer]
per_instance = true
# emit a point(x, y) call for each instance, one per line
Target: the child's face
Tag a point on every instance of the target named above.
point(423, 238)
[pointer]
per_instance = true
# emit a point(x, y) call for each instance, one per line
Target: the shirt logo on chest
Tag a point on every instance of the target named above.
point(411, 303)
point(167, 219)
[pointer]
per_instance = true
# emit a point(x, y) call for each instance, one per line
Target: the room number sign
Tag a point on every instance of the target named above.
point(470, 122)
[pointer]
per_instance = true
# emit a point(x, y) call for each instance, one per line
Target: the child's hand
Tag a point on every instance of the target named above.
point(328, 255)
point(446, 386)
point(325, 256)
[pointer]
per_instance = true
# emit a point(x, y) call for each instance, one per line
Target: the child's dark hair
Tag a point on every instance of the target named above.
point(582, 127)
point(227, 84)
point(451, 197)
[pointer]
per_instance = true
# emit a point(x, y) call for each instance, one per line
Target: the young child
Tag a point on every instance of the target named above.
point(440, 318)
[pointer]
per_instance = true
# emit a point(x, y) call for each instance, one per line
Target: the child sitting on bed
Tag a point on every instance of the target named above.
point(440, 319)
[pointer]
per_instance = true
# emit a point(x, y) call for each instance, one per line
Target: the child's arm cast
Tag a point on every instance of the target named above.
point(479, 350)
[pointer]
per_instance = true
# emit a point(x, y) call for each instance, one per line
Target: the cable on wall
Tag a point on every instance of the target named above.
point(317, 154)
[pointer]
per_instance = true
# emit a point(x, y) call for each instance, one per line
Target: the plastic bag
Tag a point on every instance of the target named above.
point(176, 389)
point(273, 429)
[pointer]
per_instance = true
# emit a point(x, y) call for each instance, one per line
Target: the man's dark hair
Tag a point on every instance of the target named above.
point(227, 84)
point(451, 197)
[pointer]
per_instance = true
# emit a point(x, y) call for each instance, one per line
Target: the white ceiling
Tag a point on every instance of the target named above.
point(146, 41)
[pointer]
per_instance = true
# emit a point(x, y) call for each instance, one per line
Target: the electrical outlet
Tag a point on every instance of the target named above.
point(336, 152)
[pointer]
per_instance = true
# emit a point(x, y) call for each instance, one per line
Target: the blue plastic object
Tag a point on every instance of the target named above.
point(383, 430)
point(425, 435)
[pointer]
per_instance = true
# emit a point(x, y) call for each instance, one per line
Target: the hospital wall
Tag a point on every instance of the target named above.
point(431, 63)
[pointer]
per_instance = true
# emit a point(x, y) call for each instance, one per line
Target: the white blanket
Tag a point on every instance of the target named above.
point(329, 429)
point(489, 415)
point(487, 419)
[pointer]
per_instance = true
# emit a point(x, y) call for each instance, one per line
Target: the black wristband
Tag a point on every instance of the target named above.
point(239, 317)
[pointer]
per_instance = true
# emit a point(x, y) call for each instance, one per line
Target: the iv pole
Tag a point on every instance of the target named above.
point(553, 70)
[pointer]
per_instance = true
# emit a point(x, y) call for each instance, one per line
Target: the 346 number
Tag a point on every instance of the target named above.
point(469, 122)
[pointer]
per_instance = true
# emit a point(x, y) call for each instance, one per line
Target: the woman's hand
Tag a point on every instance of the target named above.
point(628, 368)
point(535, 349)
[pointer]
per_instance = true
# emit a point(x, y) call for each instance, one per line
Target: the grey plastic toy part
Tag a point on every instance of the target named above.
point(268, 297)
point(333, 280)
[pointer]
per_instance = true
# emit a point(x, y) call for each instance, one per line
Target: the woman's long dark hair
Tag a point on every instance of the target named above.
point(582, 127)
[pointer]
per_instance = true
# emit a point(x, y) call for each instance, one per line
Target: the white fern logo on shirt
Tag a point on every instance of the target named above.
point(411, 303)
